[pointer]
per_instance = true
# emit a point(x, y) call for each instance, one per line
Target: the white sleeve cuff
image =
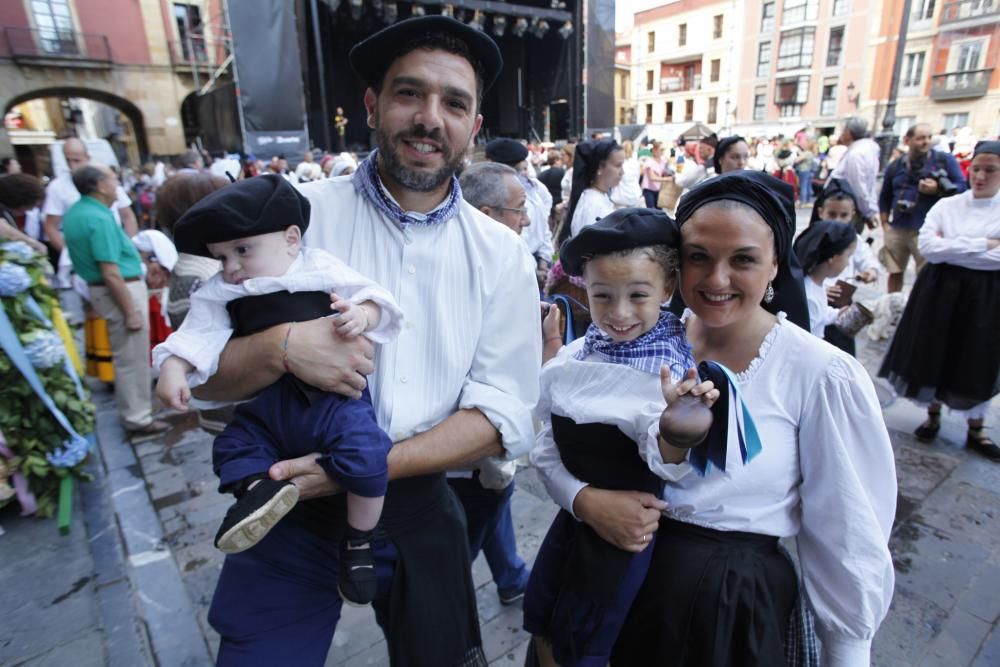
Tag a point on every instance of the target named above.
point(670, 472)
point(841, 651)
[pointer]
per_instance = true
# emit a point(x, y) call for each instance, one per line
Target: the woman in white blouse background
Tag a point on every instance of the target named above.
point(597, 169)
point(947, 347)
point(825, 474)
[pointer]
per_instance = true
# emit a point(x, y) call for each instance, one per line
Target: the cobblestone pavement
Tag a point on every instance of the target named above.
point(133, 580)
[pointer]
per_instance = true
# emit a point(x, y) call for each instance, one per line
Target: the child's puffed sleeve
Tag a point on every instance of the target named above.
point(201, 337)
point(848, 494)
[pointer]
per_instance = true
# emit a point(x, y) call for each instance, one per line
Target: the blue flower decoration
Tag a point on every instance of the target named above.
point(19, 249)
point(14, 279)
point(45, 350)
point(71, 453)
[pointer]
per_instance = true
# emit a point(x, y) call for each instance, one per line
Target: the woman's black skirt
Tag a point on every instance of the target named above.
point(711, 597)
point(947, 346)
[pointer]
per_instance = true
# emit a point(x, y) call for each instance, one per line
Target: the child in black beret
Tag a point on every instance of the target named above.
point(254, 227)
point(603, 418)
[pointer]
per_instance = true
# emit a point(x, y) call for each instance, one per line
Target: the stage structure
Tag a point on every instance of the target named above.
point(541, 94)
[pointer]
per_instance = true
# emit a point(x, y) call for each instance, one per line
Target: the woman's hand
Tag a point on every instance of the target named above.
point(551, 332)
point(626, 519)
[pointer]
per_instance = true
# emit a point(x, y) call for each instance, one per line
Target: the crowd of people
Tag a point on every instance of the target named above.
point(397, 350)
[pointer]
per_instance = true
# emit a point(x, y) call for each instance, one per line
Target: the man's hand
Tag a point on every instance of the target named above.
point(873, 221)
point(626, 519)
point(327, 360)
point(133, 321)
point(992, 244)
point(868, 276)
point(305, 473)
point(928, 186)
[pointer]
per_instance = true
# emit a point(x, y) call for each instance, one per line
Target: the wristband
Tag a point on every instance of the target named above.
point(284, 347)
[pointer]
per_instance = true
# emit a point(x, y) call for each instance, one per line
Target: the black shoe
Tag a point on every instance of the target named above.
point(254, 514)
point(982, 444)
point(357, 568)
point(929, 429)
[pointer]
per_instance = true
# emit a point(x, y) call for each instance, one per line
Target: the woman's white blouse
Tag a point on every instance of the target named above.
point(592, 206)
point(826, 475)
point(956, 231)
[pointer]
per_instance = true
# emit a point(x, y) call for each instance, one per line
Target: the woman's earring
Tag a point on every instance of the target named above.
point(769, 293)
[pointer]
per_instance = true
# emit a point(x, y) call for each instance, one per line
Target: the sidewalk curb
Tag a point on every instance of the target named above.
point(159, 596)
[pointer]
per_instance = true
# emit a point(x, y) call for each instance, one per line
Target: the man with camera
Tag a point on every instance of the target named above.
point(912, 185)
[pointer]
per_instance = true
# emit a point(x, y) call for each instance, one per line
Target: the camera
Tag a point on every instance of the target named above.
point(945, 186)
point(905, 205)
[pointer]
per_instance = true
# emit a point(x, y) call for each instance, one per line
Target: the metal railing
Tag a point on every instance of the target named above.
point(194, 51)
point(964, 10)
point(680, 84)
point(55, 44)
point(956, 85)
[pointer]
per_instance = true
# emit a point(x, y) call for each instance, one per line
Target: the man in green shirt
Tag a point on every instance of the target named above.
point(104, 256)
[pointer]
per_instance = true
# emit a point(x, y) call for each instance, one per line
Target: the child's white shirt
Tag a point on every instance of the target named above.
point(207, 327)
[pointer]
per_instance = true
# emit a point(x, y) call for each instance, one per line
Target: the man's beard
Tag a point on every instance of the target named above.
point(415, 179)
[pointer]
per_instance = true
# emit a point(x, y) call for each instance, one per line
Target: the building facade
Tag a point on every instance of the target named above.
point(802, 66)
point(624, 101)
point(949, 76)
point(146, 59)
point(685, 60)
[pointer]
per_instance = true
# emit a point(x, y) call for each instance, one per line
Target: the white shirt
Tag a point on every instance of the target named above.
point(834, 488)
point(692, 175)
point(60, 194)
point(537, 235)
point(472, 337)
point(956, 230)
point(859, 167)
point(820, 312)
point(566, 184)
point(591, 207)
point(207, 327)
point(628, 192)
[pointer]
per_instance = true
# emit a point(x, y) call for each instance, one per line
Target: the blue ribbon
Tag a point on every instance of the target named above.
point(36, 310)
point(729, 409)
point(12, 347)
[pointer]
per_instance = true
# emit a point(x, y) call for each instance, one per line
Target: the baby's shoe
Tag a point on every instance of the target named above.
point(357, 568)
point(685, 422)
point(255, 513)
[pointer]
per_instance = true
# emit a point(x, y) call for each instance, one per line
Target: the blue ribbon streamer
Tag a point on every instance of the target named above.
point(714, 450)
point(36, 310)
point(12, 347)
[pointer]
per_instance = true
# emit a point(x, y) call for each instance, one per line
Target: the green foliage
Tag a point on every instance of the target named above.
point(29, 428)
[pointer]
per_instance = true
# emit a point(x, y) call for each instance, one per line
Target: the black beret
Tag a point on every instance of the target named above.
point(623, 229)
point(506, 151)
point(371, 58)
point(257, 205)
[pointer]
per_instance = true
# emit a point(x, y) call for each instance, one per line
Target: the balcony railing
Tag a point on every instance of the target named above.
point(958, 85)
point(680, 84)
point(27, 45)
point(970, 10)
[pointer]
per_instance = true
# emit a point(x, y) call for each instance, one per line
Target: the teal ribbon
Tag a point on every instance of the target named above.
point(730, 415)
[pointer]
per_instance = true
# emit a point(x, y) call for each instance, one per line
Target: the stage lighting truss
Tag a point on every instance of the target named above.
point(566, 30)
point(499, 25)
point(520, 26)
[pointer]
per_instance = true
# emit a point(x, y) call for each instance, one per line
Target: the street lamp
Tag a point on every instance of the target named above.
point(886, 139)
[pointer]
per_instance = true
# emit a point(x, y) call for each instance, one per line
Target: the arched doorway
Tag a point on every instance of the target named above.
point(113, 118)
point(212, 120)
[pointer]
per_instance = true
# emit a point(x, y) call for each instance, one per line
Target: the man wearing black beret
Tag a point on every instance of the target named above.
point(457, 385)
point(537, 235)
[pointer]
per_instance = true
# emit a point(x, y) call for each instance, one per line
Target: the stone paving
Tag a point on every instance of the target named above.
point(132, 582)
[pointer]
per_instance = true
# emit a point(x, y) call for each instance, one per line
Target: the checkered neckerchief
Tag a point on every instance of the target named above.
point(366, 181)
point(666, 343)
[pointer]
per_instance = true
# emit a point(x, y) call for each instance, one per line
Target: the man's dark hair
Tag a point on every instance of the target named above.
point(21, 190)
point(911, 131)
point(444, 42)
point(86, 179)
